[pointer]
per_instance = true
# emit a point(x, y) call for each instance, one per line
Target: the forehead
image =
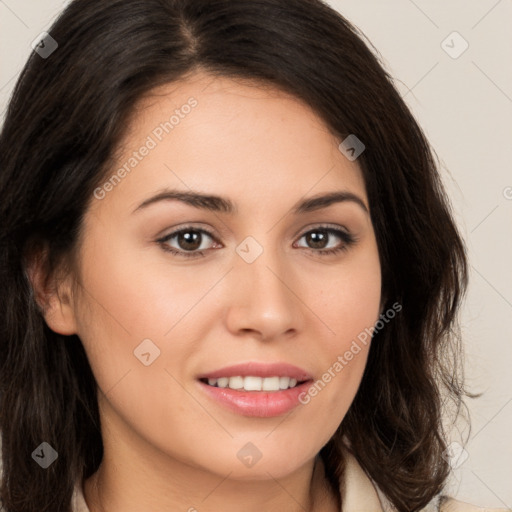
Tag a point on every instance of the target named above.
point(229, 135)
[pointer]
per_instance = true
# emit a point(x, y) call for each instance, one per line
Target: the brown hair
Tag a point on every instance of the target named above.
point(64, 121)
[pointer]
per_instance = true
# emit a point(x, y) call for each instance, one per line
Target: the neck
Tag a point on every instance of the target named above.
point(124, 488)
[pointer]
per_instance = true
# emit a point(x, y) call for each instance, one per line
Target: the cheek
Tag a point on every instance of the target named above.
point(137, 309)
point(124, 303)
point(137, 293)
point(349, 299)
point(128, 310)
point(349, 305)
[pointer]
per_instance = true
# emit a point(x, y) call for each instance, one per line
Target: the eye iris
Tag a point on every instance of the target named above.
point(317, 239)
point(189, 240)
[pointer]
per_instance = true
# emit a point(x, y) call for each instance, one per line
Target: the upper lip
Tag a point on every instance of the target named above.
point(258, 369)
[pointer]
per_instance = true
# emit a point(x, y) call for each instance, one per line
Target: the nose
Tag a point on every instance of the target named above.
point(264, 298)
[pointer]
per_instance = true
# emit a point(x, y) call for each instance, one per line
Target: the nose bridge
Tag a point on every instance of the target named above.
point(264, 269)
point(264, 300)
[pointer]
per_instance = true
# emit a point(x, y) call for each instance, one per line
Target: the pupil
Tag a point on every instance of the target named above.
point(317, 239)
point(189, 240)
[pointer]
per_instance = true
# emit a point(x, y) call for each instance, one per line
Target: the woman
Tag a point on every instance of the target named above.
point(230, 273)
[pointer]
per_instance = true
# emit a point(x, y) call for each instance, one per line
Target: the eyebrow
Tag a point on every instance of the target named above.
point(224, 205)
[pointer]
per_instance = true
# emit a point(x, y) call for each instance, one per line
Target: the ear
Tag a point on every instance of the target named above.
point(53, 296)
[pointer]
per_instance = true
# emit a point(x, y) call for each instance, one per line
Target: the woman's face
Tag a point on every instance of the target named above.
point(252, 283)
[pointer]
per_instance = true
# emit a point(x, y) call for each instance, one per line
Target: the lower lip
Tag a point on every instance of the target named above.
point(263, 404)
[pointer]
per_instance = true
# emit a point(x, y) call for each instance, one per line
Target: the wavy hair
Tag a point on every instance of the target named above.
point(65, 119)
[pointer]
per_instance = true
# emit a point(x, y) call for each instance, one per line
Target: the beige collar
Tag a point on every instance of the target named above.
point(358, 493)
point(362, 495)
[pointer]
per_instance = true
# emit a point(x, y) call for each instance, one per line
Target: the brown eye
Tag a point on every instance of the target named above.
point(188, 242)
point(317, 239)
point(327, 240)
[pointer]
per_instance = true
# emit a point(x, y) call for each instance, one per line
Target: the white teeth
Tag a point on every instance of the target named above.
point(236, 382)
point(251, 383)
point(270, 384)
point(284, 382)
point(222, 382)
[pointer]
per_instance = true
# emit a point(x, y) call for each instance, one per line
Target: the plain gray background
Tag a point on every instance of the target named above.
point(463, 101)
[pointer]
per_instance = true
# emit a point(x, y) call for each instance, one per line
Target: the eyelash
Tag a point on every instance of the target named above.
point(347, 238)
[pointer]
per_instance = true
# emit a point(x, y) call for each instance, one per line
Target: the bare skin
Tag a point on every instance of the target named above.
point(167, 445)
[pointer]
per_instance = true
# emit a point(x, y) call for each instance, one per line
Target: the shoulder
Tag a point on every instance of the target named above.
point(453, 505)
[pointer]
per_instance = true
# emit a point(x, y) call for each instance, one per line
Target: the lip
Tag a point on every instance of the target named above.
point(262, 404)
point(258, 369)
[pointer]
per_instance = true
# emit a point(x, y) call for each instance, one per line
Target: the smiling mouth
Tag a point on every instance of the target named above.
point(253, 383)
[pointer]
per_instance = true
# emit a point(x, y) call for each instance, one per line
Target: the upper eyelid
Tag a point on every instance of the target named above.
point(327, 226)
point(187, 228)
